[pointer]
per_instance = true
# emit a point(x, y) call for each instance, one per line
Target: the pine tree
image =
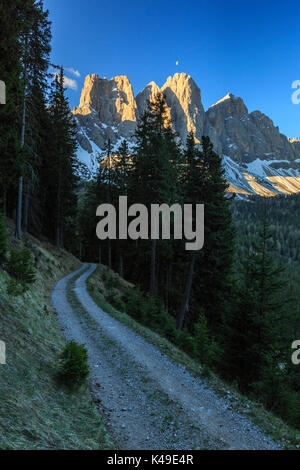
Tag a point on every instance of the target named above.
point(122, 166)
point(60, 172)
point(10, 123)
point(195, 175)
point(24, 46)
point(153, 178)
point(256, 346)
point(214, 279)
point(36, 122)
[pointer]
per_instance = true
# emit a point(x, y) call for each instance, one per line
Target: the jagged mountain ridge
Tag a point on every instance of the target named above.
point(257, 157)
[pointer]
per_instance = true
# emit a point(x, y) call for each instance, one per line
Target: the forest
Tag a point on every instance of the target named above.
point(232, 305)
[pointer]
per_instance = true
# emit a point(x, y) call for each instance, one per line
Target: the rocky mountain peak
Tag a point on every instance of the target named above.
point(147, 94)
point(108, 110)
point(183, 97)
point(230, 104)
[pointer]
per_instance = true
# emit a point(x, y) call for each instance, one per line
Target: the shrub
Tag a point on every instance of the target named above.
point(73, 367)
point(136, 304)
point(118, 303)
point(14, 287)
point(207, 351)
point(169, 329)
point(20, 266)
point(110, 280)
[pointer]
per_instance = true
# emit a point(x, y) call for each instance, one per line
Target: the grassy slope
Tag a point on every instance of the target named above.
point(99, 288)
point(34, 412)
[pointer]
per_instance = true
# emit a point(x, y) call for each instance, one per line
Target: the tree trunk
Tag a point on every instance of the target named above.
point(167, 289)
point(4, 202)
point(152, 269)
point(109, 254)
point(187, 295)
point(19, 211)
point(20, 195)
point(26, 211)
point(121, 265)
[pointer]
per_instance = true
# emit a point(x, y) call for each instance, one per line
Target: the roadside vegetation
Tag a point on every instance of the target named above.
point(104, 285)
point(36, 412)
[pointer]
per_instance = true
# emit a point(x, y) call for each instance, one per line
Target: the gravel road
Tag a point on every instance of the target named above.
point(148, 401)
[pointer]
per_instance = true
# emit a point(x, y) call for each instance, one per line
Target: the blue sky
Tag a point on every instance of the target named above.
point(248, 47)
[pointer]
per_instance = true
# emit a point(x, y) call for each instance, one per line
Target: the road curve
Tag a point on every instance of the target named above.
point(148, 401)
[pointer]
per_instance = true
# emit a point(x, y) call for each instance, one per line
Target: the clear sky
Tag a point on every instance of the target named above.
point(248, 47)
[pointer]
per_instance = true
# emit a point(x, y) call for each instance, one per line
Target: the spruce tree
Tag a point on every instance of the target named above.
point(195, 175)
point(153, 177)
point(36, 122)
point(10, 118)
point(122, 166)
point(256, 346)
point(214, 279)
point(60, 172)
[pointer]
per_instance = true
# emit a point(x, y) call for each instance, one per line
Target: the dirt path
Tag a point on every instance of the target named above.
point(149, 402)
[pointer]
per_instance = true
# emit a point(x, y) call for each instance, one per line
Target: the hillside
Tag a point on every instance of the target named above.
point(154, 386)
point(35, 413)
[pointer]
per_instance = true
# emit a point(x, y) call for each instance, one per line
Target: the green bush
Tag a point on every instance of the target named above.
point(14, 287)
point(150, 312)
point(110, 280)
point(207, 351)
point(20, 266)
point(73, 367)
point(136, 305)
point(116, 301)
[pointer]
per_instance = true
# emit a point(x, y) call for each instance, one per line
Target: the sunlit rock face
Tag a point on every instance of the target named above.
point(257, 158)
point(183, 97)
point(147, 94)
point(245, 137)
point(107, 110)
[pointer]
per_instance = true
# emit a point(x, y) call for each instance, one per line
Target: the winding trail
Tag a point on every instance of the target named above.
point(148, 401)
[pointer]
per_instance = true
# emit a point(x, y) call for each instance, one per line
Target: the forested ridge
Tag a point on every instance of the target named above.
point(230, 305)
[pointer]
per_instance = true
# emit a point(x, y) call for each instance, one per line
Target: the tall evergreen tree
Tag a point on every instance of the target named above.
point(59, 174)
point(256, 346)
point(153, 178)
point(214, 272)
point(195, 175)
point(10, 117)
point(36, 123)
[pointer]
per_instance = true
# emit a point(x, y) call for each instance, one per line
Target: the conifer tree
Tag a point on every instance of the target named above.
point(105, 180)
point(59, 176)
point(214, 279)
point(194, 176)
point(153, 179)
point(122, 166)
point(256, 346)
point(10, 122)
point(36, 122)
